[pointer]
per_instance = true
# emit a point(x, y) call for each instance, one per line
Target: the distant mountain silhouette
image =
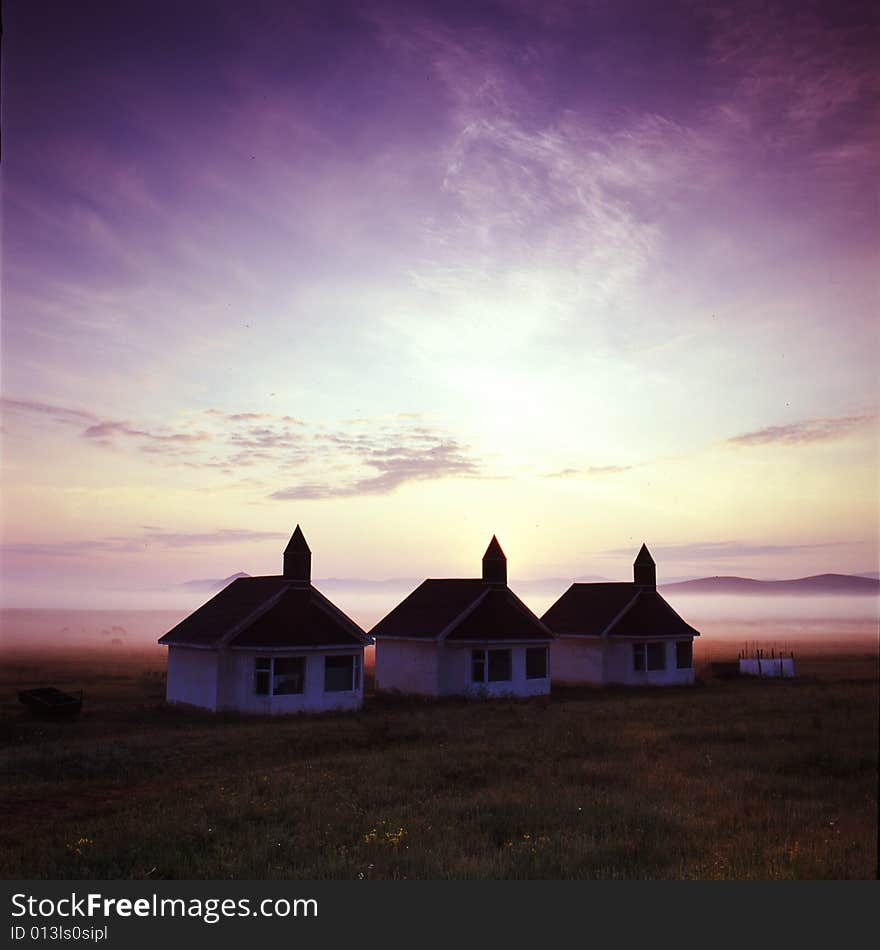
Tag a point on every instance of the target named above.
point(395, 584)
point(211, 584)
point(391, 584)
point(817, 584)
point(367, 586)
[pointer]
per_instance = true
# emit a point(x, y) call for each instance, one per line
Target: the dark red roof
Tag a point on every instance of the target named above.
point(267, 612)
point(622, 610)
point(461, 609)
point(587, 609)
point(499, 615)
point(430, 608)
point(301, 617)
point(232, 605)
point(649, 615)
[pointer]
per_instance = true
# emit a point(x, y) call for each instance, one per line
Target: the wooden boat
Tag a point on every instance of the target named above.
point(49, 701)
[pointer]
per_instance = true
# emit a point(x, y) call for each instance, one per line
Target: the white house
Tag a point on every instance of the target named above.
point(621, 633)
point(464, 636)
point(268, 645)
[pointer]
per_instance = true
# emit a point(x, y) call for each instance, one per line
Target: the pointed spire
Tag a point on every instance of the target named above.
point(494, 564)
point(644, 569)
point(298, 558)
point(297, 542)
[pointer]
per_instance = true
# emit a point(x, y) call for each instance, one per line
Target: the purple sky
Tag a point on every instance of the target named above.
point(578, 274)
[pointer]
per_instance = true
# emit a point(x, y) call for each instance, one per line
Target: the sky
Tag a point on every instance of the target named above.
point(581, 275)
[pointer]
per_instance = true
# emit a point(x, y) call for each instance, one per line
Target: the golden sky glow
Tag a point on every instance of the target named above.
point(580, 280)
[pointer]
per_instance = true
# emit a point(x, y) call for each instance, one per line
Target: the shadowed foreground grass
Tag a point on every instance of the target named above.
point(730, 779)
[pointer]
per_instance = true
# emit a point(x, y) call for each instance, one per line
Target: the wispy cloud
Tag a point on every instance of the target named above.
point(591, 470)
point(532, 205)
point(364, 456)
point(254, 417)
point(396, 466)
point(804, 432)
point(555, 212)
point(106, 432)
point(267, 437)
point(63, 414)
point(153, 537)
point(71, 548)
point(795, 72)
point(176, 539)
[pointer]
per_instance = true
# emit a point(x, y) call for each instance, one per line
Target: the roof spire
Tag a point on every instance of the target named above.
point(298, 558)
point(644, 569)
point(494, 564)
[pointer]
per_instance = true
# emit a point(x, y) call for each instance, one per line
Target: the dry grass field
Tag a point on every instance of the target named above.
point(729, 779)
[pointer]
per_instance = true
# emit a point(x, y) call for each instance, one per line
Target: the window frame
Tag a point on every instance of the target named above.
point(648, 656)
point(264, 666)
point(354, 683)
point(639, 657)
point(509, 670)
point(481, 657)
point(301, 662)
point(642, 656)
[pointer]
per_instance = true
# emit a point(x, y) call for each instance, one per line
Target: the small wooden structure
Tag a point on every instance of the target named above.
point(49, 701)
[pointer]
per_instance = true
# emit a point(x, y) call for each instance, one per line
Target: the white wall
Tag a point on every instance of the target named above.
point(619, 666)
point(455, 670)
point(407, 666)
point(238, 683)
point(455, 673)
point(773, 667)
point(192, 677)
point(435, 669)
point(225, 681)
point(577, 660)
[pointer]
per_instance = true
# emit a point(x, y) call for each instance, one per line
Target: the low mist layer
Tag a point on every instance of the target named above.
point(725, 622)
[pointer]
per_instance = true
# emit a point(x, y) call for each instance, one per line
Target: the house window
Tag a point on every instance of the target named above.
point(639, 657)
point(262, 675)
point(536, 663)
point(342, 674)
point(491, 666)
point(657, 656)
point(499, 666)
point(684, 654)
point(289, 675)
point(279, 675)
point(649, 656)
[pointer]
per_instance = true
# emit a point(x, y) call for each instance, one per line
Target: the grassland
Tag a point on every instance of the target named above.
point(728, 779)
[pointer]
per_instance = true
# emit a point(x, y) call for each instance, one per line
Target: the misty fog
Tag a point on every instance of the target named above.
point(723, 620)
